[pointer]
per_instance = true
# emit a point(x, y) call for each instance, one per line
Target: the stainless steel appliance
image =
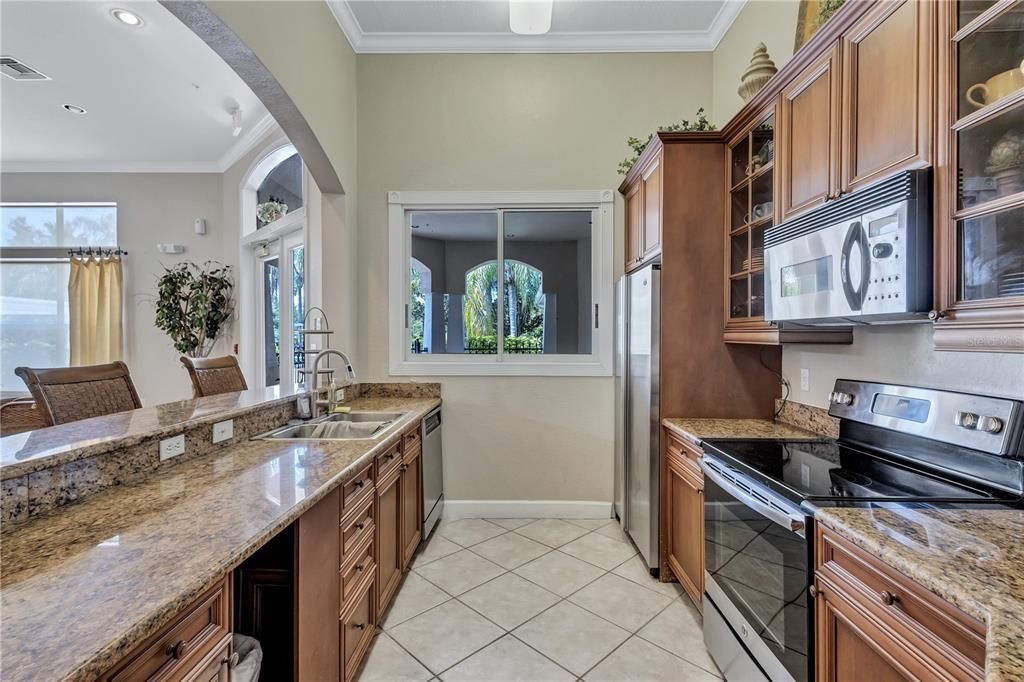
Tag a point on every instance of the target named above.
point(637, 447)
point(865, 258)
point(896, 444)
point(433, 471)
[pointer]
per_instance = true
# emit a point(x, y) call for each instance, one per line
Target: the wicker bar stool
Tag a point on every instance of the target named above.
point(20, 415)
point(67, 394)
point(211, 376)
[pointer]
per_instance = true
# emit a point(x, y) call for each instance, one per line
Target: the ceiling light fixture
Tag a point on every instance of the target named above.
point(74, 109)
point(127, 18)
point(530, 17)
point(236, 122)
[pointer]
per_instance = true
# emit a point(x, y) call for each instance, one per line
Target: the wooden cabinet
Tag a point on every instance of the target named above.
point(316, 589)
point(684, 506)
point(643, 199)
point(873, 622)
point(410, 495)
point(216, 667)
point(358, 626)
point(980, 184)
point(389, 541)
point(808, 154)
point(888, 90)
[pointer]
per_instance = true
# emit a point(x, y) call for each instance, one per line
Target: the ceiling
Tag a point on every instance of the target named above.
point(533, 226)
point(158, 98)
point(416, 26)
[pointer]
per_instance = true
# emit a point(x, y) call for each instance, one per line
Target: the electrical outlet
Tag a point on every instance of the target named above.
point(805, 379)
point(172, 447)
point(223, 430)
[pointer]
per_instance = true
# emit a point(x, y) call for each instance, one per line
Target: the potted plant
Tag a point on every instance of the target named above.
point(271, 210)
point(638, 146)
point(193, 304)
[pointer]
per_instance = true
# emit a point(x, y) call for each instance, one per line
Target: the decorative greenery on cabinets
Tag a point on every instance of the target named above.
point(700, 124)
point(193, 304)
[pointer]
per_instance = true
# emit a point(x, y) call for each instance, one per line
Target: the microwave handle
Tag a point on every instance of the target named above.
point(790, 522)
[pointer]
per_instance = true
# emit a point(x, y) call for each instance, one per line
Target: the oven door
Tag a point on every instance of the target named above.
point(756, 562)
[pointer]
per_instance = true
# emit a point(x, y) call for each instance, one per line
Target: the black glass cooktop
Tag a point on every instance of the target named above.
point(828, 470)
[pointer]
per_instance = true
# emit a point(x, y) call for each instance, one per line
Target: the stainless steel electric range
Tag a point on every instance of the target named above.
point(897, 444)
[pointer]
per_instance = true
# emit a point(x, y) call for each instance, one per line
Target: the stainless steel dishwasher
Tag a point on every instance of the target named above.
point(433, 471)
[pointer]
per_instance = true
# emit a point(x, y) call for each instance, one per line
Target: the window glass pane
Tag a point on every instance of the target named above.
point(282, 185)
point(33, 318)
point(28, 226)
point(272, 321)
point(547, 282)
point(90, 226)
point(453, 283)
point(298, 304)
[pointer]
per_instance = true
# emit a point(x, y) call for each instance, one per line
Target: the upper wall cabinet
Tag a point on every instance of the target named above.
point(862, 110)
point(643, 212)
point(980, 203)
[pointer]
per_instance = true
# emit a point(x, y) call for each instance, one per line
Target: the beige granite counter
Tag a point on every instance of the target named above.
point(973, 558)
point(25, 453)
point(695, 430)
point(81, 587)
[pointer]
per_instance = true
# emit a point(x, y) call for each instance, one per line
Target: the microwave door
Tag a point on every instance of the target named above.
point(806, 276)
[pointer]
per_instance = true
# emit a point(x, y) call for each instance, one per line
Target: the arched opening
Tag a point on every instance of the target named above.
point(522, 292)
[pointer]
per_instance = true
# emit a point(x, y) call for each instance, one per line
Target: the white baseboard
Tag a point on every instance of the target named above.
point(527, 509)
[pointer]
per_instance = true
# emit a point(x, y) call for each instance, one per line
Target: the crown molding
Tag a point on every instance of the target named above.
point(247, 141)
point(456, 43)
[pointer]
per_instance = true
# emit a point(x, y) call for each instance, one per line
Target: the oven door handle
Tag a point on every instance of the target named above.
point(789, 521)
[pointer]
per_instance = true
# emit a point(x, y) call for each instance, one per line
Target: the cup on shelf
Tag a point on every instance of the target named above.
point(997, 87)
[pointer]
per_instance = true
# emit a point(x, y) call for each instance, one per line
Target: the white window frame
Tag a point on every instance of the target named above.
point(402, 362)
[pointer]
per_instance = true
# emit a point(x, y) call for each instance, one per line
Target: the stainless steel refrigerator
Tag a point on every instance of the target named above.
point(637, 409)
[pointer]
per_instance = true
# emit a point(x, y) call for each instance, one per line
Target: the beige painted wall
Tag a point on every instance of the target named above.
point(151, 208)
point(772, 22)
point(302, 45)
point(508, 122)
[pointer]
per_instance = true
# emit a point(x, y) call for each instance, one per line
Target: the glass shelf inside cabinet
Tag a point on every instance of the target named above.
point(990, 61)
point(740, 161)
point(990, 157)
point(970, 10)
point(993, 255)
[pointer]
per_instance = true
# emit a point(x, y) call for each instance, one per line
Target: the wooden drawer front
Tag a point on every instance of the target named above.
point(388, 460)
point(358, 624)
point(356, 490)
point(177, 650)
point(216, 667)
point(411, 439)
point(913, 612)
point(688, 454)
point(357, 526)
point(355, 569)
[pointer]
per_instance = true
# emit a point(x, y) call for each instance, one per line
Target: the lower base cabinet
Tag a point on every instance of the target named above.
point(684, 516)
point(874, 623)
point(358, 626)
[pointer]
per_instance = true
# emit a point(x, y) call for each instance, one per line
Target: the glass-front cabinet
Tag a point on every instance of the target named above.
point(981, 215)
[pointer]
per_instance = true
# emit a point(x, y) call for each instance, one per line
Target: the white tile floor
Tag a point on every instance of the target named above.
point(500, 600)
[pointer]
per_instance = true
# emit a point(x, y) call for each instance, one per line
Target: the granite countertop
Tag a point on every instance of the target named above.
point(973, 558)
point(24, 453)
point(80, 588)
point(696, 430)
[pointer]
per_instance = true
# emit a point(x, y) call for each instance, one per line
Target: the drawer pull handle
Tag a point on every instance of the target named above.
point(359, 626)
point(178, 650)
point(358, 526)
point(359, 484)
point(405, 467)
point(888, 598)
point(232, 660)
point(360, 567)
point(813, 591)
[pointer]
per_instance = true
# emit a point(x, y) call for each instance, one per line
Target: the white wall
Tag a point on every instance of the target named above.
point(509, 122)
point(151, 208)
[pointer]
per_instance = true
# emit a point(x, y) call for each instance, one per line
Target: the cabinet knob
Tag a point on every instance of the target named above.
point(888, 598)
point(231, 660)
point(358, 526)
point(405, 467)
point(359, 484)
point(178, 649)
point(934, 315)
point(813, 591)
point(359, 626)
point(360, 567)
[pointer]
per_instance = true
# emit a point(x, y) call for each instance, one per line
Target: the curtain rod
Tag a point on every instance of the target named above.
point(97, 251)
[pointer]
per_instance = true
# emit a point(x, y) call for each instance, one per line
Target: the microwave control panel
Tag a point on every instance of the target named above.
point(882, 243)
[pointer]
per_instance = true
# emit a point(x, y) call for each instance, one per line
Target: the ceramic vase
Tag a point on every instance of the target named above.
point(760, 70)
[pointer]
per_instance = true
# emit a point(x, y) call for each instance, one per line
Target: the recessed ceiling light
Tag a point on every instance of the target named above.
point(74, 109)
point(127, 18)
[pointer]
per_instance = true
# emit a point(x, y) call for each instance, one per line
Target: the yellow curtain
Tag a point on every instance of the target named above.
point(94, 304)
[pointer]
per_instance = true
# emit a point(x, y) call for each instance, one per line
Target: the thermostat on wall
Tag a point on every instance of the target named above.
point(170, 248)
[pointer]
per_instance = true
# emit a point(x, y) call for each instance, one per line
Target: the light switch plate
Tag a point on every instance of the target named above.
point(223, 430)
point(172, 447)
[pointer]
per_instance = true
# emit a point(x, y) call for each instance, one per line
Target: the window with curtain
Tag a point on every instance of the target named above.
point(35, 311)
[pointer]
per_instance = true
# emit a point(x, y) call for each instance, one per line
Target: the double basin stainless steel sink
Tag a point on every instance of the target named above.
point(340, 426)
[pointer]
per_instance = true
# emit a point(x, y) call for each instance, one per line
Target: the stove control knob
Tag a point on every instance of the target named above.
point(840, 398)
point(990, 424)
point(966, 420)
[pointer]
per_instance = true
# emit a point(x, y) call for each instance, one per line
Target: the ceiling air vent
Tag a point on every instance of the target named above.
point(19, 71)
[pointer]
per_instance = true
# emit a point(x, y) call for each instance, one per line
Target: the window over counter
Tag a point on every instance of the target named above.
point(501, 283)
point(34, 244)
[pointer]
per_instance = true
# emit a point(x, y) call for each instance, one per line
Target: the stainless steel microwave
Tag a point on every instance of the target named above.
point(865, 258)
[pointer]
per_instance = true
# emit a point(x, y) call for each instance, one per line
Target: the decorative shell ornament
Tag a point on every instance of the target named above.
point(757, 74)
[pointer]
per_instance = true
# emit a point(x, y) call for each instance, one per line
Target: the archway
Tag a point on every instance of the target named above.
point(524, 308)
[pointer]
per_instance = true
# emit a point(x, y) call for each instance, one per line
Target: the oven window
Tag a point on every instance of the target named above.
point(809, 277)
point(762, 569)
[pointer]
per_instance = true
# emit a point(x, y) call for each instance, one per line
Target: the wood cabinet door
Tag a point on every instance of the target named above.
point(411, 509)
point(389, 542)
point(651, 241)
point(317, 589)
point(888, 97)
point(808, 148)
point(634, 224)
point(685, 533)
